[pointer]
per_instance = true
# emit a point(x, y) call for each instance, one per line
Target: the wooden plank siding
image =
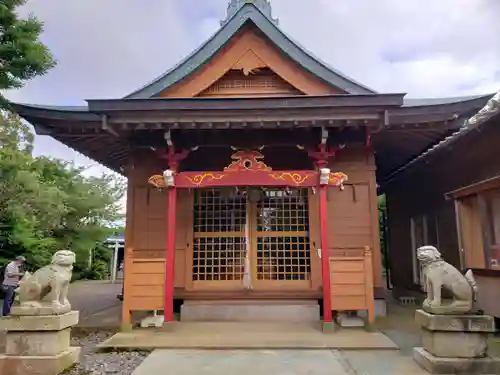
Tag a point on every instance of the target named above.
point(422, 190)
point(144, 280)
point(351, 282)
point(351, 227)
point(353, 212)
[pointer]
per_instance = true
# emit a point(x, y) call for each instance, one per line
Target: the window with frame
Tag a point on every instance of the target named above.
point(491, 227)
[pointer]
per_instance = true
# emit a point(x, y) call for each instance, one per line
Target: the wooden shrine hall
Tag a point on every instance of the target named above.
point(252, 173)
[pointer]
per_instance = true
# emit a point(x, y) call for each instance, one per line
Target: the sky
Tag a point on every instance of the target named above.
point(109, 48)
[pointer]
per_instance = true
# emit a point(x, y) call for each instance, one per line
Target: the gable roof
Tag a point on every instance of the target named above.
point(250, 13)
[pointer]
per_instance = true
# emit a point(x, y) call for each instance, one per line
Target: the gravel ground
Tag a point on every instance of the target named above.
point(93, 363)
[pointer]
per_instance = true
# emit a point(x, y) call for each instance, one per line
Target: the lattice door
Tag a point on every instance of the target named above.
point(281, 246)
point(238, 244)
point(219, 250)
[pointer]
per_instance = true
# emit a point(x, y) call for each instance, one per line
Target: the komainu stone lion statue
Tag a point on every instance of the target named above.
point(45, 292)
point(439, 274)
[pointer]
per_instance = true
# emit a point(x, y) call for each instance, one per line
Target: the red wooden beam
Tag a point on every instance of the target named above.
point(247, 169)
point(297, 179)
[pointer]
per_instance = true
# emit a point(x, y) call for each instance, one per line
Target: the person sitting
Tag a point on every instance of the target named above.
point(10, 282)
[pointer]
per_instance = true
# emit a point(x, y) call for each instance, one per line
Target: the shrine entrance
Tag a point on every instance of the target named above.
point(251, 239)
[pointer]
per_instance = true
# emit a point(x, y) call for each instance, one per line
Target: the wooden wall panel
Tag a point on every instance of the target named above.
point(472, 237)
point(399, 240)
point(353, 212)
point(467, 162)
point(314, 239)
point(349, 218)
point(447, 233)
point(264, 83)
point(145, 273)
point(140, 223)
point(351, 283)
point(147, 284)
point(150, 209)
point(128, 251)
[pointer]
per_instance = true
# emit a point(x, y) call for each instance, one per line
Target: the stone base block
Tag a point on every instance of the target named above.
point(346, 320)
point(13, 323)
point(250, 311)
point(329, 327)
point(39, 365)
point(152, 321)
point(455, 344)
point(39, 310)
point(380, 309)
point(40, 343)
point(455, 323)
point(440, 365)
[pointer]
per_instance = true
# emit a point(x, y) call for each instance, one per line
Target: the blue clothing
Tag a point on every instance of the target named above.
point(9, 296)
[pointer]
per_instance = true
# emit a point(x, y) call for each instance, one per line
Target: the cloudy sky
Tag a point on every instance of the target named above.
point(108, 48)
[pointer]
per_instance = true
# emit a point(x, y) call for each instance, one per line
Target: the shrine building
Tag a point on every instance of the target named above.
point(252, 172)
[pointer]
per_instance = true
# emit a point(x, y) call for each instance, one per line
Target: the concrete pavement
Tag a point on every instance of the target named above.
point(278, 362)
point(247, 335)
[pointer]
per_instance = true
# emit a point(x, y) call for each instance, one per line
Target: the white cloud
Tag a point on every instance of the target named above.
point(423, 47)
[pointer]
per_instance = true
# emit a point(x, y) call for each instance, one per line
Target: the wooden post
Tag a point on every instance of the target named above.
point(170, 255)
point(325, 254)
point(370, 297)
point(128, 250)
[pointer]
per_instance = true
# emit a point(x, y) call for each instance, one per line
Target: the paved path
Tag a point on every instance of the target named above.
point(278, 362)
point(97, 303)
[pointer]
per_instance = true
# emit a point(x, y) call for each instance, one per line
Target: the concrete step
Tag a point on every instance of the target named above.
point(251, 311)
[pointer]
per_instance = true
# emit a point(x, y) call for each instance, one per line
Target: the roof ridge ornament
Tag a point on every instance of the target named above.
point(263, 5)
point(491, 108)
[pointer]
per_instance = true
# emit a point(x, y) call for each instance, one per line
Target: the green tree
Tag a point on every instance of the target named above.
point(48, 204)
point(45, 204)
point(22, 55)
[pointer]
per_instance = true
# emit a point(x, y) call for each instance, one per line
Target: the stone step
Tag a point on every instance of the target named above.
point(251, 311)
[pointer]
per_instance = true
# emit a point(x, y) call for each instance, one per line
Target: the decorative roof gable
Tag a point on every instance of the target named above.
point(263, 5)
point(249, 12)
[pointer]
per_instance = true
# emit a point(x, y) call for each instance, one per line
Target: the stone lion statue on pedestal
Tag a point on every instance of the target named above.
point(45, 292)
point(439, 274)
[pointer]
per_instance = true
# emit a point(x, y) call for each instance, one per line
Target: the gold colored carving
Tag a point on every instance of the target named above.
point(199, 178)
point(296, 178)
point(157, 180)
point(247, 161)
point(249, 63)
point(337, 178)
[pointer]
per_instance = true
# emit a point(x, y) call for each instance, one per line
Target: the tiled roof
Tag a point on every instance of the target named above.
point(410, 102)
point(490, 110)
point(250, 13)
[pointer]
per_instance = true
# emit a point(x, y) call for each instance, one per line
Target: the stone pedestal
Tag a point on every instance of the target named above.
point(38, 345)
point(455, 344)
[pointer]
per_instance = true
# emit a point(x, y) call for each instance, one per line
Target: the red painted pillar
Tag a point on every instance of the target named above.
point(174, 159)
point(325, 254)
point(170, 256)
